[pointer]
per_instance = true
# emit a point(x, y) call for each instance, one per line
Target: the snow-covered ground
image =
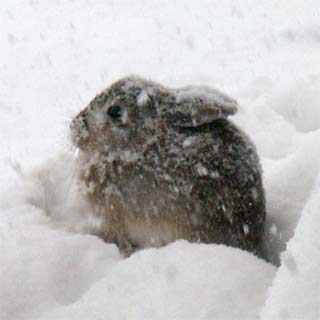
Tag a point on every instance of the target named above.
point(56, 55)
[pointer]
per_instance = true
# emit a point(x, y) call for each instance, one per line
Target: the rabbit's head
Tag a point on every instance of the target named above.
point(133, 112)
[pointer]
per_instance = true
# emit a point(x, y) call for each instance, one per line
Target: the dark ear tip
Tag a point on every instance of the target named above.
point(230, 109)
point(228, 105)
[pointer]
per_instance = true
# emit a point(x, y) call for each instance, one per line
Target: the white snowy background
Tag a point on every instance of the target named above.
point(56, 55)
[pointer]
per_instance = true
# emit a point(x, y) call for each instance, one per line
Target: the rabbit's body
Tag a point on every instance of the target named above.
point(161, 165)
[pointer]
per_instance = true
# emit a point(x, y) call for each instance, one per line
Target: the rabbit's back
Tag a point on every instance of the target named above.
point(230, 189)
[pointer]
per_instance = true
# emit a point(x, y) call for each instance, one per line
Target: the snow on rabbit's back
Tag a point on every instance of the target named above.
point(159, 164)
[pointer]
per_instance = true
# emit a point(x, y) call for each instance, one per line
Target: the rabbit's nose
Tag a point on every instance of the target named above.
point(79, 130)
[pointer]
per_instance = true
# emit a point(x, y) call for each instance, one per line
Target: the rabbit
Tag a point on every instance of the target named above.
point(160, 164)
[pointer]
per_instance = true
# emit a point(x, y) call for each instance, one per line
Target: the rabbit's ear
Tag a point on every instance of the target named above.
point(195, 106)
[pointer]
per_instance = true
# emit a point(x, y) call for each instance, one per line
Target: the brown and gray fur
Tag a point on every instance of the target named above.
point(162, 164)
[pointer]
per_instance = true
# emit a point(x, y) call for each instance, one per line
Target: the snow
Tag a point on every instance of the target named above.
point(56, 56)
point(297, 277)
point(201, 169)
point(176, 282)
point(143, 98)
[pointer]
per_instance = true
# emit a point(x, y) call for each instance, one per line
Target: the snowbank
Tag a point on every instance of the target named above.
point(52, 271)
point(49, 273)
point(298, 276)
point(180, 281)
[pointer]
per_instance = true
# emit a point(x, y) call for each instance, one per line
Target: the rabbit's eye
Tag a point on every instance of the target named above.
point(115, 112)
